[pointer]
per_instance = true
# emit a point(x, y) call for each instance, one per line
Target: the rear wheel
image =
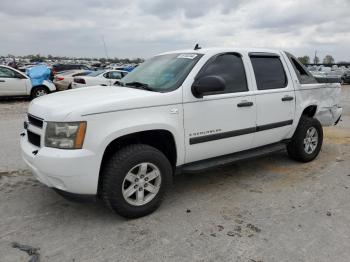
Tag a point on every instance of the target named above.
point(39, 91)
point(307, 140)
point(135, 180)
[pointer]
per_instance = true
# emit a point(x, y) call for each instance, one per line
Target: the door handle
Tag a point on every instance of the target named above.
point(2, 81)
point(245, 104)
point(287, 98)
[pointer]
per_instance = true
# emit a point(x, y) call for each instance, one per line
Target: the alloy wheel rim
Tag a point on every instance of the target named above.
point(141, 184)
point(311, 140)
point(40, 93)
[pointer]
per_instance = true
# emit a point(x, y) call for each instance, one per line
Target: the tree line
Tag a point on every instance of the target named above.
point(43, 58)
point(328, 59)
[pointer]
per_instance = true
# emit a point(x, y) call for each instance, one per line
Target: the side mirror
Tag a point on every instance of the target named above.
point(208, 84)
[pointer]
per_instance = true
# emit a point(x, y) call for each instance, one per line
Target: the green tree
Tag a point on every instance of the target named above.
point(304, 59)
point(328, 59)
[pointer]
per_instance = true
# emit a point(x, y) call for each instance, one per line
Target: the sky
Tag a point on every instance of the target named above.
point(138, 28)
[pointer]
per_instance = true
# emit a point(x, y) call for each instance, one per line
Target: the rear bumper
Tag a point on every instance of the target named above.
point(72, 171)
point(329, 116)
point(77, 85)
point(61, 86)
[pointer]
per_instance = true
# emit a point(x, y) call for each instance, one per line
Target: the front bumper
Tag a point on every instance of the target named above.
point(72, 171)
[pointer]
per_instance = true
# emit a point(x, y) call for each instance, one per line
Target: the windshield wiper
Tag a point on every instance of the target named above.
point(139, 85)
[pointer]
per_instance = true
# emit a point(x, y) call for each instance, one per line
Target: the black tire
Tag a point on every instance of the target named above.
point(39, 91)
point(116, 169)
point(296, 149)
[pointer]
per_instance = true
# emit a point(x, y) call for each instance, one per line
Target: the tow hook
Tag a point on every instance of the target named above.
point(22, 134)
point(35, 152)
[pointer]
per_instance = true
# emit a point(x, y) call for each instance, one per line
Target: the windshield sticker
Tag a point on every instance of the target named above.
point(188, 56)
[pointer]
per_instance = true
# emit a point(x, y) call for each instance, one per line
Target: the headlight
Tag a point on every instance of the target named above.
point(68, 135)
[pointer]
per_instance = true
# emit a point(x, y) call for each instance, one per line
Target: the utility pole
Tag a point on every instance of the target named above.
point(315, 58)
point(104, 45)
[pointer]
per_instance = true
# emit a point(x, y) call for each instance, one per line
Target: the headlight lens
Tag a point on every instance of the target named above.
point(68, 135)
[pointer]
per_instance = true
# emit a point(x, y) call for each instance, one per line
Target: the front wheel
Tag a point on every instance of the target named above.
point(39, 91)
point(307, 140)
point(135, 180)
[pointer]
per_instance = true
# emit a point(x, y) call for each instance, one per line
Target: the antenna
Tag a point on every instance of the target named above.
point(104, 45)
point(197, 47)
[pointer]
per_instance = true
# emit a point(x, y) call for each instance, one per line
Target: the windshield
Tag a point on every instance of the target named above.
point(162, 73)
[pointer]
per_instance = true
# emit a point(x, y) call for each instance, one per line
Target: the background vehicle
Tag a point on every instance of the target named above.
point(346, 77)
point(15, 83)
point(182, 111)
point(64, 79)
point(102, 77)
point(56, 68)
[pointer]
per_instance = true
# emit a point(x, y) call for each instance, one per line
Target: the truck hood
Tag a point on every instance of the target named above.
point(73, 104)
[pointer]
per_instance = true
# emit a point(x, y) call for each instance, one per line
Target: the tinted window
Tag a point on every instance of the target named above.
point(269, 72)
point(302, 73)
point(7, 73)
point(114, 75)
point(230, 67)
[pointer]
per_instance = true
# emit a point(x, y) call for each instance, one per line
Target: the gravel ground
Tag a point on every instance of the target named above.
point(273, 210)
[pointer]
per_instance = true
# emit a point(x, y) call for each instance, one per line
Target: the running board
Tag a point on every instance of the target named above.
point(202, 165)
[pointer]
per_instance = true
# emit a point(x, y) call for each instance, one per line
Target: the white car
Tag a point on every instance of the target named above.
point(15, 83)
point(181, 111)
point(63, 80)
point(102, 77)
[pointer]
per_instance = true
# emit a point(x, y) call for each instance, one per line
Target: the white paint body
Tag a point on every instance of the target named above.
point(15, 86)
point(113, 112)
point(101, 79)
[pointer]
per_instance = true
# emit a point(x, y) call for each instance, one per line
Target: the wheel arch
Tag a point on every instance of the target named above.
point(161, 139)
point(310, 110)
point(39, 86)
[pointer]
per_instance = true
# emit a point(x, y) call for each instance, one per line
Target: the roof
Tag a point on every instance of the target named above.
point(215, 50)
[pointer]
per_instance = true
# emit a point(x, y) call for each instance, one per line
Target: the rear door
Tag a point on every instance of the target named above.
point(220, 123)
point(113, 76)
point(275, 98)
point(11, 83)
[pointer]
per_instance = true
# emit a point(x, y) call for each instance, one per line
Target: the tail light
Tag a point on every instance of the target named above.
point(59, 78)
point(79, 80)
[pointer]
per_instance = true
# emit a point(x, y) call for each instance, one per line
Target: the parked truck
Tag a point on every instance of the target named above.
point(181, 111)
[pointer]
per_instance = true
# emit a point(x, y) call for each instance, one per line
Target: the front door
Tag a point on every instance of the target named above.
point(220, 123)
point(10, 83)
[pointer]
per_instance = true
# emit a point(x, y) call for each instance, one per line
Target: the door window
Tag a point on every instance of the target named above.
point(269, 72)
point(114, 75)
point(7, 73)
point(229, 67)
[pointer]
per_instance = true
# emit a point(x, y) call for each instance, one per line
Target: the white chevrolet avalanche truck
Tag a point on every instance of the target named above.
point(181, 111)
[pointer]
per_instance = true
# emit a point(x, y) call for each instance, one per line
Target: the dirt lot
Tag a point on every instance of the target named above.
point(273, 209)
